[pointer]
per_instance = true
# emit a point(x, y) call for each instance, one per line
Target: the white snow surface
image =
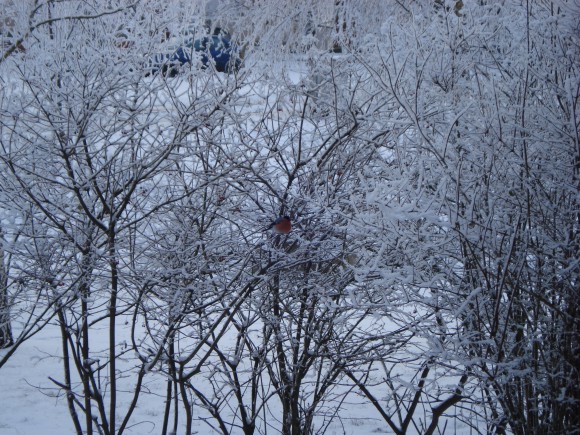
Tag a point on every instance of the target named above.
point(30, 403)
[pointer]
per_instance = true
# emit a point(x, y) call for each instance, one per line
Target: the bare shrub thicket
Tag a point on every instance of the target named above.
point(430, 170)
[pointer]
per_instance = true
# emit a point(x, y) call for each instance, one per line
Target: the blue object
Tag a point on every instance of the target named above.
point(218, 48)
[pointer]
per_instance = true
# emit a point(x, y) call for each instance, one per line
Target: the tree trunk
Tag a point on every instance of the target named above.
point(6, 339)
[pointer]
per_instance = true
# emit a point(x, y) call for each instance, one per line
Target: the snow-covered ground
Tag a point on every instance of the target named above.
point(30, 403)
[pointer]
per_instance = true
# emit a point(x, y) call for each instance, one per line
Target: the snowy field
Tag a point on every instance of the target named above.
point(30, 403)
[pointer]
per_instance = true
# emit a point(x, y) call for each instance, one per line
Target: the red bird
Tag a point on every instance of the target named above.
point(282, 225)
